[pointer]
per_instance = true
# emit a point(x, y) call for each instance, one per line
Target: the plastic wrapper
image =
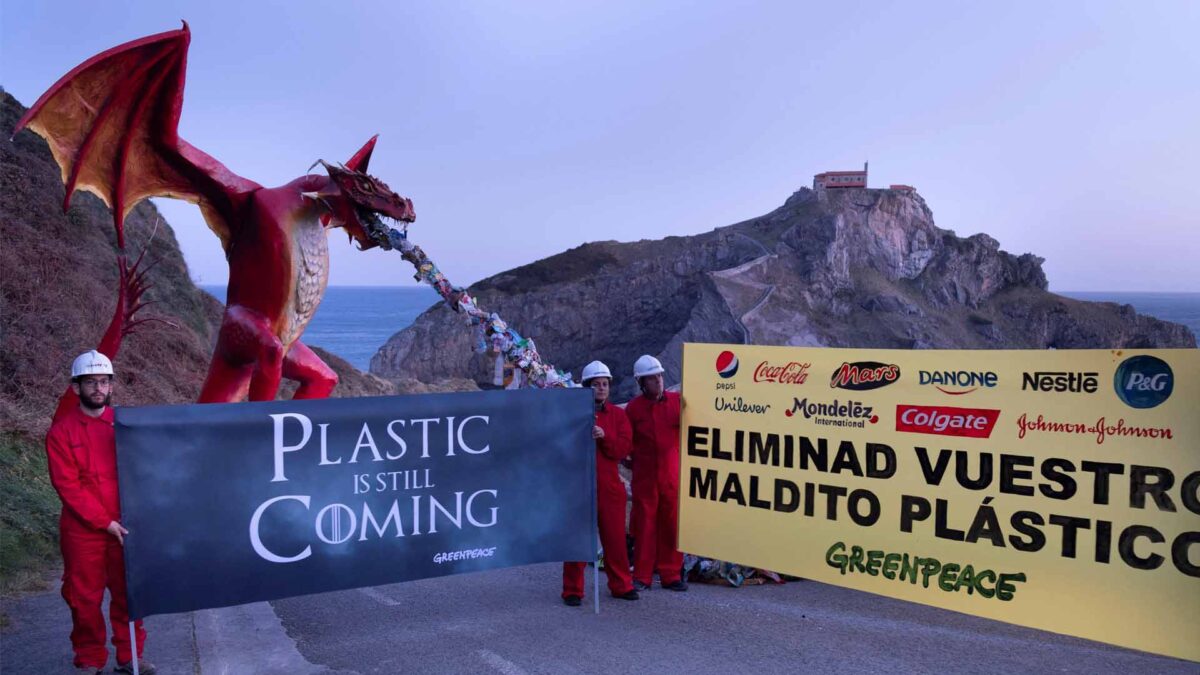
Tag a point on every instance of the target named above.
point(490, 331)
point(709, 571)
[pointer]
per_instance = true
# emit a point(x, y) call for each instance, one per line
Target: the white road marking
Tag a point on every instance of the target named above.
point(379, 597)
point(500, 663)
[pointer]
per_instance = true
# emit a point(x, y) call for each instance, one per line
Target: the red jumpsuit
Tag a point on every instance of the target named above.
point(83, 469)
point(610, 506)
point(655, 517)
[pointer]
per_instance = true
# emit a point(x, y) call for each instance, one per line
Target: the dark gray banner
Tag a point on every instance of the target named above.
point(234, 503)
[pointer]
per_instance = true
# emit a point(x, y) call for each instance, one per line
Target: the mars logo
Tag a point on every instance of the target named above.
point(1144, 381)
point(727, 364)
point(864, 375)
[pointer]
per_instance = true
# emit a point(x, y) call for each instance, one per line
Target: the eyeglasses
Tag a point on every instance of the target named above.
point(95, 383)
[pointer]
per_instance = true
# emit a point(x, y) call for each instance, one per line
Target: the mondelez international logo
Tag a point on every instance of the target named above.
point(1144, 381)
point(727, 364)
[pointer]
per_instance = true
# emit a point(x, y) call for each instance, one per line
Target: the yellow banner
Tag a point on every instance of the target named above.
point(1053, 489)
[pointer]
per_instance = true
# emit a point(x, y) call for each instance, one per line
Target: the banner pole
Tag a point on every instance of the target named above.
point(133, 640)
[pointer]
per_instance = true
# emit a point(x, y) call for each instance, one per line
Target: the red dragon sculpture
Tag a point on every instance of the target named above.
point(112, 125)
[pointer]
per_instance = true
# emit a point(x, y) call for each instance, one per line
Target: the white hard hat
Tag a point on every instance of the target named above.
point(593, 370)
point(646, 365)
point(91, 363)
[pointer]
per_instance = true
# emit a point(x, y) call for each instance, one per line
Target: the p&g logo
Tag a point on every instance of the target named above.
point(1144, 381)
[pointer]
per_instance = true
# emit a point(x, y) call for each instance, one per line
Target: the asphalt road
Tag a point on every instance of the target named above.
point(511, 622)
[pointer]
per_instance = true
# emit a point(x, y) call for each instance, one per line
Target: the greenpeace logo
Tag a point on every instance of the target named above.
point(946, 421)
point(864, 375)
point(1060, 381)
point(957, 382)
point(465, 554)
point(835, 414)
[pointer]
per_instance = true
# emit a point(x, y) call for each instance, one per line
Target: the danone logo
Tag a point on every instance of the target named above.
point(943, 420)
point(957, 382)
point(727, 364)
point(1144, 381)
point(864, 375)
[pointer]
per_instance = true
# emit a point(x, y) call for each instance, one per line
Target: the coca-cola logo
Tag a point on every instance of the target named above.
point(792, 372)
point(864, 375)
point(941, 420)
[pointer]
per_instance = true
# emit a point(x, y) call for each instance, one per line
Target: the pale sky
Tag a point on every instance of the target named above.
point(521, 129)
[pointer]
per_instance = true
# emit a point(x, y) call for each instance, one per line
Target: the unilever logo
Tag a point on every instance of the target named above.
point(1144, 381)
point(727, 364)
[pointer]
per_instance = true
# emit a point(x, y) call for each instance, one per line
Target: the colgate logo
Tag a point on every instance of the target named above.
point(946, 421)
point(864, 375)
point(791, 373)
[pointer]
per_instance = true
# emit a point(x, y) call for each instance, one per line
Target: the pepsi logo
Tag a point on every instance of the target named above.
point(727, 364)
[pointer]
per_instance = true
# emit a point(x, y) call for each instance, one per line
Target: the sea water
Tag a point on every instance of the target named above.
point(1181, 308)
point(355, 321)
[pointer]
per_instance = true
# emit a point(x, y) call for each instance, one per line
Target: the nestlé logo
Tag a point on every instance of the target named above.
point(957, 382)
point(864, 375)
point(1060, 381)
point(946, 421)
point(1144, 381)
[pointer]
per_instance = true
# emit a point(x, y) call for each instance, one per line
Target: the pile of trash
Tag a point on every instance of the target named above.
point(491, 332)
point(709, 571)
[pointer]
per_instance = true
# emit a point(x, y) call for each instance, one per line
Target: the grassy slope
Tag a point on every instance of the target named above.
point(28, 513)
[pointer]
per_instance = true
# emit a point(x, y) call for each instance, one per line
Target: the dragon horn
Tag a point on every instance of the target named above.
point(363, 157)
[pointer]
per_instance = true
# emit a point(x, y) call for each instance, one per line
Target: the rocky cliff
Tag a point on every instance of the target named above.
point(836, 268)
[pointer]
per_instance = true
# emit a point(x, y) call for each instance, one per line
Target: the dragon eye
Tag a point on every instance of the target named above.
point(365, 186)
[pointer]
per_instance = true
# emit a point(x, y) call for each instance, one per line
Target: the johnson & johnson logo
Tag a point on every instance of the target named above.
point(864, 375)
point(943, 420)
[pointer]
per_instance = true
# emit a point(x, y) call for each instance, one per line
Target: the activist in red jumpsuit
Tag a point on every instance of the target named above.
point(654, 417)
point(83, 470)
point(613, 437)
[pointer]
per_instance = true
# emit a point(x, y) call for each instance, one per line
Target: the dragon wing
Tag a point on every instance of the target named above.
point(112, 124)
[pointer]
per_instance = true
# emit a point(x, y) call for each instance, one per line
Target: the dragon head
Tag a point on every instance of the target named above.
point(358, 201)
